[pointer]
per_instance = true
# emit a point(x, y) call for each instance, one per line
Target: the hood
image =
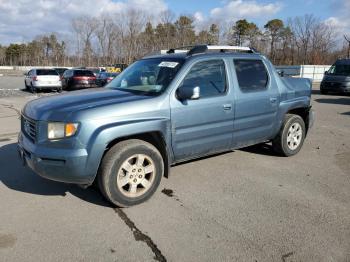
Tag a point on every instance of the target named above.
point(336, 78)
point(57, 107)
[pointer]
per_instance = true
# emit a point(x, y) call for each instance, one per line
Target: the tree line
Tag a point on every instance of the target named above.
point(107, 40)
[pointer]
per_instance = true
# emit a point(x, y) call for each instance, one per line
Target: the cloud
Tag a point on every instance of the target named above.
point(233, 10)
point(340, 22)
point(238, 9)
point(22, 20)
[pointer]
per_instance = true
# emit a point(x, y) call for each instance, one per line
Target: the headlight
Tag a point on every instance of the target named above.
point(56, 130)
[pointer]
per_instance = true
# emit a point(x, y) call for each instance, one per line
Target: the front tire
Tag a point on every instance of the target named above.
point(291, 137)
point(130, 172)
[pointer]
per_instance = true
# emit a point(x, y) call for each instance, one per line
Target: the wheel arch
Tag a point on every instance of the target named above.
point(303, 112)
point(104, 137)
point(155, 138)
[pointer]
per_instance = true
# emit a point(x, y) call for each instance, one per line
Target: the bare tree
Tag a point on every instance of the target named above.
point(302, 28)
point(347, 39)
point(85, 26)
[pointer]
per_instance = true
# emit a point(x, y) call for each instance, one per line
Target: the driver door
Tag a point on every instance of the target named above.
point(204, 126)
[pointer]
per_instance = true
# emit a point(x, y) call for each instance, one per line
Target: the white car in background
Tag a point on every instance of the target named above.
point(39, 79)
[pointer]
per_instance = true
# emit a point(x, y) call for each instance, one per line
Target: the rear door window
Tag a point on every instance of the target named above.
point(251, 75)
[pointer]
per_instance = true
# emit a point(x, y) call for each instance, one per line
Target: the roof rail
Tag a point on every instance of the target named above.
point(199, 49)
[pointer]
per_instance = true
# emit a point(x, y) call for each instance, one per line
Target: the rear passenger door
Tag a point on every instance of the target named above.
point(203, 126)
point(257, 99)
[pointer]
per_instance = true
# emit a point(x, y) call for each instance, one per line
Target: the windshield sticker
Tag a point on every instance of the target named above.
point(168, 64)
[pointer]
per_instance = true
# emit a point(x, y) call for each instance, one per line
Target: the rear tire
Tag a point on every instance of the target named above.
point(33, 89)
point(130, 172)
point(323, 92)
point(290, 139)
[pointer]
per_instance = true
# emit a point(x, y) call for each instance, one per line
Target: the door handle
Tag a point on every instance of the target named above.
point(227, 107)
point(273, 99)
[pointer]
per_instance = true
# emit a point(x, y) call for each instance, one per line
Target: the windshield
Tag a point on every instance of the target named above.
point(149, 76)
point(339, 70)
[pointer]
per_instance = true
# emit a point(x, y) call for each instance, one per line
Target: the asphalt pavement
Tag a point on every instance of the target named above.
point(245, 205)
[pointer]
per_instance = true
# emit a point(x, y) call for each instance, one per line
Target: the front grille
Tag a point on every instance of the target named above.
point(29, 128)
point(332, 85)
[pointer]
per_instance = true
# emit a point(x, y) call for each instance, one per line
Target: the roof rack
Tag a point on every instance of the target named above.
point(199, 49)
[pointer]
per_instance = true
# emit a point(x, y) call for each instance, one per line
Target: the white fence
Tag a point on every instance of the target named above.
point(314, 72)
point(26, 68)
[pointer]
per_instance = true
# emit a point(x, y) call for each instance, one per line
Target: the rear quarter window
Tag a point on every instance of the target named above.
point(251, 75)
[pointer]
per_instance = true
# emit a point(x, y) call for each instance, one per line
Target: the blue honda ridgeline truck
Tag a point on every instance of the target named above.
point(164, 109)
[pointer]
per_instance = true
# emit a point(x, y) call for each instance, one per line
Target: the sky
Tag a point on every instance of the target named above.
point(22, 20)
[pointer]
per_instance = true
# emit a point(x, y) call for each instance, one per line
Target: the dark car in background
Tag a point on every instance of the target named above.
point(60, 70)
point(73, 79)
point(337, 78)
point(104, 78)
point(95, 70)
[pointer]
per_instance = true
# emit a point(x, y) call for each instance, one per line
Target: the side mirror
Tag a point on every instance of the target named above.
point(188, 93)
point(326, 72)
point(25, 74)
point(281, 73)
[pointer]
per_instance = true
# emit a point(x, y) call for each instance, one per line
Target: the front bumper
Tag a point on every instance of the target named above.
point(342, 87)
point(63, 165)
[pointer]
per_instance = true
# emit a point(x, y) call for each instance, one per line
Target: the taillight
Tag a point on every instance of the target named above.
point(84, 78)
point(35, 78)
point(80, 78)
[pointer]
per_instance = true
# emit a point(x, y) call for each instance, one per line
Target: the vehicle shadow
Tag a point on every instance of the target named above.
point(261, 149)
point(43, 91)
point(337, 101)
point(17, 177)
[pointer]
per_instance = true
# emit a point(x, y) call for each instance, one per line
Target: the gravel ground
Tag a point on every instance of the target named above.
point(246, 205)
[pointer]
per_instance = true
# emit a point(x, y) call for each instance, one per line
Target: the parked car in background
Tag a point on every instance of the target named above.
point(104, 78)
point(117, 68)
point(95, 70)
point(337, 78)
point(162, 110)
point(78, 79)
point(60, 70)
point(39, 79)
